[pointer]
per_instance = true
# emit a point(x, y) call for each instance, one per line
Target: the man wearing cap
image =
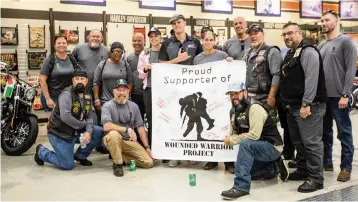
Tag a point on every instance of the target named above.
point(303, 95)
point(71, 118)
point(263, 67)
point(148, 57)
point(257, 134)
point(236, 46)
point(120, 117)
point(89, 55)
point(181, 48)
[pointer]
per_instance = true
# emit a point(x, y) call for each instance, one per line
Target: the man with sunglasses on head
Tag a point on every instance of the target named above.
point(303, 96)
point(339, 56)
point(179, 49)
point(120, 117)
point(238, 44)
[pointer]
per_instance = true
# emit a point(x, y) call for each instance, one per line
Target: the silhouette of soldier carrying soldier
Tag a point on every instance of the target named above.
point(195, 108)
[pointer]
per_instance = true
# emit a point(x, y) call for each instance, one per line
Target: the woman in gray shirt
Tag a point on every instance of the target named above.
point(211, 55)
point(55, 74)
point(108, 72)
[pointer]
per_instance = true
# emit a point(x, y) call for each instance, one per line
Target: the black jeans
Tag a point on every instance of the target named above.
point(147, 99)
point(138, 99)
point(288, 146)
point(307, 134)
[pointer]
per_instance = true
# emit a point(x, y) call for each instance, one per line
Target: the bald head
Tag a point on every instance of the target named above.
point(138, 43)
point(240, 25)
point(95, 38)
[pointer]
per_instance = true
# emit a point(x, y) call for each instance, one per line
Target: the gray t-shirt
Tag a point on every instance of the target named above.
point(216, 56)
point(310, 65)
point(65, 105)
point(110, 74)
point(60, 77)
point(132, 60)
point(235, 48)
point(89, 58)
point(339, 57)
point(153, 58)
point(126, 115)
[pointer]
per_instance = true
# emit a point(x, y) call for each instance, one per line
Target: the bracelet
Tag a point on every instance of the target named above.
point(98, 100)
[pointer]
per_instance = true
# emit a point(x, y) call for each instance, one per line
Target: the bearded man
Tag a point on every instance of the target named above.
point(120, 117)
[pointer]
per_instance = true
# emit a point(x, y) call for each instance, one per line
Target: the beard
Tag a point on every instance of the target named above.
point(289, 44)
point(121, 99)
point(94, 44)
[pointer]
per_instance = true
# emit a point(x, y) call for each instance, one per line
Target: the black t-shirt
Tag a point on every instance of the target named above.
point(170, 47)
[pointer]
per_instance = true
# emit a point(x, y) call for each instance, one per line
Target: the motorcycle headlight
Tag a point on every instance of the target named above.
point(30, 94)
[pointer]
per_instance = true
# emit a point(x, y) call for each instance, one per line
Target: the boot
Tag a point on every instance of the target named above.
point(344, 175)
point(210, 165)
point(230, 169)
point(328, 167)
point(309, 186)
point(84, 162)
point(37, 157)
point(233, 194)
point(118, 170)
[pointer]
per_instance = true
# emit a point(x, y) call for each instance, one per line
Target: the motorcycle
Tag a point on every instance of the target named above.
point(19, 126)
point(355, 93)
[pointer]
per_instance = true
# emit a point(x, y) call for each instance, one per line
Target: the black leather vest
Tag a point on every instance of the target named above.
point(292, 81)
point(258, 76)
point(269, 132)
point(58, 128)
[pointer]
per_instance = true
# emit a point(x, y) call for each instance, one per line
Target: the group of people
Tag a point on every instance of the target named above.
point(99, 98)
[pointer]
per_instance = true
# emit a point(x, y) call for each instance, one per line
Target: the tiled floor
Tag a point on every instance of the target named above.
point(22, 179)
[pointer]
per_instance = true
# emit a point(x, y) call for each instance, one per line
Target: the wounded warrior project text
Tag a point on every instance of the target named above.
point(203, 148)
point(195, 72)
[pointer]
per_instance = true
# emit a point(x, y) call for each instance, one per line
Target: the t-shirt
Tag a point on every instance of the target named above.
point(125, 115)
point(339, 57)
point(88, 59)
point(153, 58)
point(60, 77)
point(216, 56)
point(170, 48)
point(110, 74)
point(235, 48)
point(132, 60)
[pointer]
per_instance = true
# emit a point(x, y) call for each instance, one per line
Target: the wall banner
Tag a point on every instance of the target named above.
point(191, 110)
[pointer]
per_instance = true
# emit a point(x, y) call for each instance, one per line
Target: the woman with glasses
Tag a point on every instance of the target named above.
point(56, 74)
point(107, 73)
point(211, 55)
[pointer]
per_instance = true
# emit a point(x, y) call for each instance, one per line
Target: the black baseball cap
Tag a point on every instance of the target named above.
point(255, 27)
point(80, 72)
point(117, 45)
point(155, 30)
point(176, 17)
point(121, 82)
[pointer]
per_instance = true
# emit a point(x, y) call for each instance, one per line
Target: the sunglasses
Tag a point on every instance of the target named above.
point(206, 28)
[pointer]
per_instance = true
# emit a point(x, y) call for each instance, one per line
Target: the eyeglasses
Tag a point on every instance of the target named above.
point(289, 33)
point(117, 52)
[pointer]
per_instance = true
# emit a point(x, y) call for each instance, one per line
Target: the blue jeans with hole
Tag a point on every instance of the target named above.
point(249, 151)
point(344, 128)
point(63, 156)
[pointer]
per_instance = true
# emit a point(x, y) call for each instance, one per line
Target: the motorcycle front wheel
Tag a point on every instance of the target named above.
point(18, 140)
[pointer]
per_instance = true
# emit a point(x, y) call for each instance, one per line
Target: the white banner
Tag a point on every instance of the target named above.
point(190, 110)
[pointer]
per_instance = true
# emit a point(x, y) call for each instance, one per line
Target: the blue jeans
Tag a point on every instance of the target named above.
point(249, 151)
point(63, 156)
point(344, 128)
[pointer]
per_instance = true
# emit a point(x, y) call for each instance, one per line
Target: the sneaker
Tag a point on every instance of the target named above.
point(194, 162)
point(37, 157)
point(344, 175)
point(282, 168)
point(118, 170)
point(292, 164)
point(230, 169)
point(328, 167)
point(173, 163)
point(309, 186)
point(83, 162)
point(210, 165)
point(297, 176)
point(233, 194)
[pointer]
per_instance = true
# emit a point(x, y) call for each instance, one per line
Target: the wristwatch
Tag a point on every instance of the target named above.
point(304, 105)
point(346, 95)
point(127, 130)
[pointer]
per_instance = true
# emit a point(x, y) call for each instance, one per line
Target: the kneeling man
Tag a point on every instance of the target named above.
point(72, 116)
point(262, 143)
point(120, 117)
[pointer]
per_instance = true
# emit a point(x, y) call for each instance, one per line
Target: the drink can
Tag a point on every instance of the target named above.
point(192, 180)
point(132, 166)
